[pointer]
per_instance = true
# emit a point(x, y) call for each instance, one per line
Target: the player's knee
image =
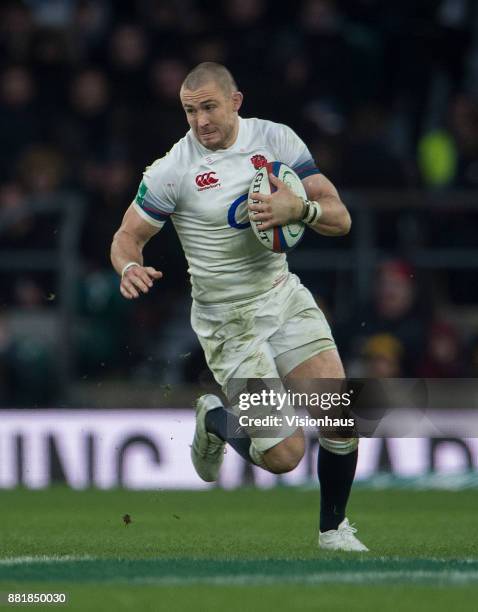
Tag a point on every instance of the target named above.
point(339, 447)
point(286, 456)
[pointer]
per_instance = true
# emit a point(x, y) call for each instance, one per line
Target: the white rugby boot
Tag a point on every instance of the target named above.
point(207, 450)
point(342, 538)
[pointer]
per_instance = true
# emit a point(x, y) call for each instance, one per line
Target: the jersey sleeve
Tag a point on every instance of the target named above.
point(291, 150)
point(156, 198)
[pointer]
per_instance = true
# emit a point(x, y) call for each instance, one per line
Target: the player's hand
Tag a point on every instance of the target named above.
point(138, 279)
point(278, 208)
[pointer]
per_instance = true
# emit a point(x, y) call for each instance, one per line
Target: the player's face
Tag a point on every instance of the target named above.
point(212, 115)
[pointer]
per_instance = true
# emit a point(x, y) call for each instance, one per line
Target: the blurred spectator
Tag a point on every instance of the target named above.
point(128, 55)
point(323, 39)
point(13, 205)
point(102, 337)
point(109, 183)
point(16, 30)
point(382, 356)
point(464, 128)
point(90, 20)
point(444, 354)
point(367, 161)
point(27, 371)
point(472, 358)
point(297, 80)
point(22, 229)
point(395, 311)
point(167, 76)
point(89, 93)
point(6, 344)
point(209, 49)
point(437, 159)
point(320, 16)
point(19, 118)
point(162, 121)
point(33, 374)
point(455, 27)
point(395, 290)
point(28, 294)
point(449, 157)
point(244, 13)
point(247, 31)
point(83, 129)
point(41, 170)
point(55, 13)
point(168, 23)
point(51, 54)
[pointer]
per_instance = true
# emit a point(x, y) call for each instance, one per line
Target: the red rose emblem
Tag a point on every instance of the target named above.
point(258, 161)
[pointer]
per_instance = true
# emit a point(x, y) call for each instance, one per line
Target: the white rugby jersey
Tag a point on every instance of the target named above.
point(205, 194)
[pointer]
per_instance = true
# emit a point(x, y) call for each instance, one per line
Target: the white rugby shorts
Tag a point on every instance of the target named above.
point(263, 337)
point(253, 338)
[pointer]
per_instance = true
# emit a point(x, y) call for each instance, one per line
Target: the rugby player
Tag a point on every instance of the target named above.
point(254, 319)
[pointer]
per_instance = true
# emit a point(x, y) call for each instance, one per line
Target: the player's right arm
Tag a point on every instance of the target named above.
point(127, 247)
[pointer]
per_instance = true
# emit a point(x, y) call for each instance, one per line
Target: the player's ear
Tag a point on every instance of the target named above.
point(237, 98)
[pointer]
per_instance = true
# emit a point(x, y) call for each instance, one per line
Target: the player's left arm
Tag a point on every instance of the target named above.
point(334, 219)
point(326, 213)
point(283, 206)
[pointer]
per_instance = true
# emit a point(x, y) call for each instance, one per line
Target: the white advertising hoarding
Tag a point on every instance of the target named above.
point(149, 449)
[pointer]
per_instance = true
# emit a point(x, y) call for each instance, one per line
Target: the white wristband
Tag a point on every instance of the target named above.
point(312, 212)
point(129, 265)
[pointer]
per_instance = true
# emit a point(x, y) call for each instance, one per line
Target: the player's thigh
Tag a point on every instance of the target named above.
point(321, 373)
point(303, 333)
point(326, 364)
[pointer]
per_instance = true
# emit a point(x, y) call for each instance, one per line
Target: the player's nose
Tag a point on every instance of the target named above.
point(203, 120)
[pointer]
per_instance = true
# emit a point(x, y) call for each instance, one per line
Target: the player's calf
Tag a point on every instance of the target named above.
point(336, 470)
point(285, 456)
point(215, 426)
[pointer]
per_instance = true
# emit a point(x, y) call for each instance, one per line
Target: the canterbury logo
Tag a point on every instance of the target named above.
point(206, 180)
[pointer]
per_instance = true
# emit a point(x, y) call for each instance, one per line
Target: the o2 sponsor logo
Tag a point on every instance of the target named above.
point(234, 216)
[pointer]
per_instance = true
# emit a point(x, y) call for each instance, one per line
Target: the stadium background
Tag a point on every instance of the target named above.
point(385, 95)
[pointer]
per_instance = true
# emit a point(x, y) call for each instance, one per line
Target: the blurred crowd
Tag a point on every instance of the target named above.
point(384, 93)
point(402, 333)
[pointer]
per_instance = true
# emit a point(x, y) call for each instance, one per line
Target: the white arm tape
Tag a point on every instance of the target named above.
point(312, 212)
point(129, 265)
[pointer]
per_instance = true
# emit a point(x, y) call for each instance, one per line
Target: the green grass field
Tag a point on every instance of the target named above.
point(239, 550)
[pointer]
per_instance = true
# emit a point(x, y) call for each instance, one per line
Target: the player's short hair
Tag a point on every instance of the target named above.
point(207, 72)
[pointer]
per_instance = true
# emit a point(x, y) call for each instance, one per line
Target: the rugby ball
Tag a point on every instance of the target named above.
point(285, 237)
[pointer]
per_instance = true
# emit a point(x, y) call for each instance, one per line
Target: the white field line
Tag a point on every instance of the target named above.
point(444, 577)
point(44, 559)
point(358, 561)
point(438, 576)
point(432, 559)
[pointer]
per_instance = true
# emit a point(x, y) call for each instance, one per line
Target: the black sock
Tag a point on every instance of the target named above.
point(336, 474)
point(224, 425)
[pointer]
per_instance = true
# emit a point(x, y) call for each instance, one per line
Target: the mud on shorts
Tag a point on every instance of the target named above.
point(263, 337)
